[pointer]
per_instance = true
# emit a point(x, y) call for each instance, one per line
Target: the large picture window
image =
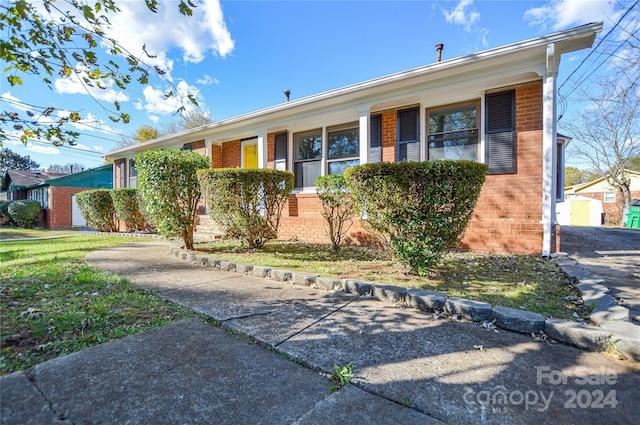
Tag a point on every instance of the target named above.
point(453, 132)
point(307, 164)
point(343, 148)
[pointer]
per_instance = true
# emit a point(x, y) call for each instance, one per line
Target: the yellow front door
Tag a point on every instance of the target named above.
point(250, 156)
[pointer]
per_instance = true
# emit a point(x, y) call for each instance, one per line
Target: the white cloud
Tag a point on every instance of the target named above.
point(207, 80)
point(463, 14)
point(74, 85)
point(98, 148)
point(46, 150)
point(155, 102)
point(558, 14)
point(197, 36)
point(89, 123)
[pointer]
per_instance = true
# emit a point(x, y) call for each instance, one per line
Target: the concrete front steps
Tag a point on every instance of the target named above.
point(206, 229)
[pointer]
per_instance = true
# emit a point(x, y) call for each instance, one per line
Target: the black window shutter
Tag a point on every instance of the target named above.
point(375, 138)
point(408, 125)
point(501, 132)
point(280, 148)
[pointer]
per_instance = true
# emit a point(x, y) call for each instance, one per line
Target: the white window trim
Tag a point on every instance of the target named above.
point(604, 197)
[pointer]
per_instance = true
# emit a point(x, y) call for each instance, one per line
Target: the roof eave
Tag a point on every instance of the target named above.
point(569, 40)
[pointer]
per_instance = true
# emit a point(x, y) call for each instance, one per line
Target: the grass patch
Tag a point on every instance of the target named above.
point(52, 303)
point(515, 281)
point(16, 232)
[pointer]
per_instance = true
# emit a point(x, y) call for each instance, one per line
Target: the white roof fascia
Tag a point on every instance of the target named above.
point(521, 52)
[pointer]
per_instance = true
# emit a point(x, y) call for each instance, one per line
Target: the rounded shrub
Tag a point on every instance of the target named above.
point(96, 206)
point(127, 209)
point(417, 209)
point(169, 190)
point(247, 202)
point(25, 212)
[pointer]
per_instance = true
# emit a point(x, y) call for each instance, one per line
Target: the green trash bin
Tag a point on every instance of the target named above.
point(633, 218)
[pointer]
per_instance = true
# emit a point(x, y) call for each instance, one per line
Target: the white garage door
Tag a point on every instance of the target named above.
point(76, 218)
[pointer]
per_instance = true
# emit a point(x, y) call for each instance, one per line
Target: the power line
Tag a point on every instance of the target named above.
point(595, 49)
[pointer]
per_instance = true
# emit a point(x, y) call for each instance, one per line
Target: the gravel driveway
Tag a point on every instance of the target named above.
point(612, 253)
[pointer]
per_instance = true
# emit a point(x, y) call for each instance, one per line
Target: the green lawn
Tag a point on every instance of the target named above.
point(52, 303)
point(15, 232)
point(515, 281)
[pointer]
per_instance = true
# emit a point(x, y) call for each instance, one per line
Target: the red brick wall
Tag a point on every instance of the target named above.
point(612, 210)
point(58, 215)
point(116, 172)
point(231, 154)
point(199, 147)
point(271, 150)
point(508, 213)
point(216, 156)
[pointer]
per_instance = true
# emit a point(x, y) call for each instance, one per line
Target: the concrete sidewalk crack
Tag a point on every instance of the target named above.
point(59, 416)
point(314, 323)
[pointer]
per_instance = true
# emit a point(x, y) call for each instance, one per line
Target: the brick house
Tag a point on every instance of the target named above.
point(500, 106)
point(610, 197)
point(56, 192)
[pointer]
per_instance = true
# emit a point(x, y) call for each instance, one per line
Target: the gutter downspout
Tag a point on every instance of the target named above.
point(549, 134)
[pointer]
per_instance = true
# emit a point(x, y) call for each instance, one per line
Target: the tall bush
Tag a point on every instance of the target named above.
point(25, 212)
point(125, 204)
point(418, 209)
point(337, 207)
point(96, 206)
point(170, 191)
point(247, 202)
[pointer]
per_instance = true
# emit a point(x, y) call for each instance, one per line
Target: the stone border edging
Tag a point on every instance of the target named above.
point(567, 332)
point(605, 311)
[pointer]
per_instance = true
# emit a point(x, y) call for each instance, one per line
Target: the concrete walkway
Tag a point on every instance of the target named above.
point(410, 367)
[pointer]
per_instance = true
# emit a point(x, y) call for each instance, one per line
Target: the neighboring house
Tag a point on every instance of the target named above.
point(56, 192)
point(497, 106)
point(609, 196)
point(17, 181)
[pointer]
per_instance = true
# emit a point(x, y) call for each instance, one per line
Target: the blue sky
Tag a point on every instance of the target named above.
point(239, 56)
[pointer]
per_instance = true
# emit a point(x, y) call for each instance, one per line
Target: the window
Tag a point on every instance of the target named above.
point(453, 132)
point(609, 197)
point(409, 135)
point(375, 138)
point(280, 151)
point(501, 132)
point(133, 174)
point(123, 182)
point(343, 148)
point(307, 164)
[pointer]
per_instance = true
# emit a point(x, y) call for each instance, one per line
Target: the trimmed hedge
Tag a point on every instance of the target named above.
point(96, 206)
point(337, 207)
point(24, 212)
point(417, 209)
point(169, 190)
point(127, 209)
point(247, 203)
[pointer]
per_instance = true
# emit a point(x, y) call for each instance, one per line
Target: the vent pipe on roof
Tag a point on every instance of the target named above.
point(287, 92)
point(439, 48)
